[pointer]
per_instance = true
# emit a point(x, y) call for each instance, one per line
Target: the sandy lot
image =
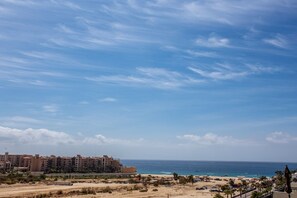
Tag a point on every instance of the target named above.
point(118, 190)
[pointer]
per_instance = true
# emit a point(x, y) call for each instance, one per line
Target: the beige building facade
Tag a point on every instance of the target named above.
point(58, 164)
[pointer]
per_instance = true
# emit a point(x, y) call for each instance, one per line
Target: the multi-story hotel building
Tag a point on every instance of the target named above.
point(50, 164)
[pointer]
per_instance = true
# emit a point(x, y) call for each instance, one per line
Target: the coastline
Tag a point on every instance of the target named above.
point(209, 168)
point(211, 177)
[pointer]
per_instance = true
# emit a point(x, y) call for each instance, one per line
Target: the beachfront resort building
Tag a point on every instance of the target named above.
point(58, 164)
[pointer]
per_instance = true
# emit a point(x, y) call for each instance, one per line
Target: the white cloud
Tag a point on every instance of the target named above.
point(22, 3)
point(213, 42)
point(72, 5)
point(210, 139)
point(219, 75)
point(223, 71)
point(108, 99)
point(100, 139)
point(65, 29)
point(50, 137)
point(84, 102)
point(261, 69)
point(52, 108)
point(280, 138)
point(202, 53)
point(192, 53)
point(33, 136)
point(278, 41)
point(91, 35)
point(40, 55)
point(21, 119)
point(158, 72)
point(151, 77)
point(232, 12)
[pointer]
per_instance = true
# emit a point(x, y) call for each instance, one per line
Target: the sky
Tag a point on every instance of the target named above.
point(155, 79)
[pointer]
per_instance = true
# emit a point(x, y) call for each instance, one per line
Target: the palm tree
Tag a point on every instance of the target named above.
point(227, 190)
point(256, 194)
point(175, 176)
point(233, 192)
point(240, 189)
point(191, 179)
point(218, 196)
point(244, 186)
point(231, 182)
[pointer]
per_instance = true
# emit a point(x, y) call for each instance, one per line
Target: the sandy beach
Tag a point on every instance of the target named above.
point(116, 188)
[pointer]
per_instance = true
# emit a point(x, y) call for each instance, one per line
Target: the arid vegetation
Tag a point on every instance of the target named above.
point(152, 185)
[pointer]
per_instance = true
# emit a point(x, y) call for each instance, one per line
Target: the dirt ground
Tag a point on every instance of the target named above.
point(118, 190)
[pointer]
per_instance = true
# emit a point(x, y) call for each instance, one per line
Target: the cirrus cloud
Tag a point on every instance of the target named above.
point(159, 78)
point(100, 139)
point(52, 108)
point(277, 41)
point(213, 41)
point(210, 139)
point(108, 99)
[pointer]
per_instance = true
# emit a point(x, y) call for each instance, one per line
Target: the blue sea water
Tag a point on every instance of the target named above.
point(211, 168)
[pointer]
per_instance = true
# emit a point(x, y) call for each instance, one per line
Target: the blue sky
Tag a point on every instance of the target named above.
point(196, 80)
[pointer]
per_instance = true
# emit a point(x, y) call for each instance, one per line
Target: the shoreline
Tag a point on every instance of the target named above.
point(204, 175)
point(231, 161)
point(209, 168)
point(210, 176)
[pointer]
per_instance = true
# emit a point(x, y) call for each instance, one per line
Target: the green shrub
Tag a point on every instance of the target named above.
point(107, 189)
point(59, 192)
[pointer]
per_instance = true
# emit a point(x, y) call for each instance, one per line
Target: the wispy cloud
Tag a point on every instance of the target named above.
point(84, 102)
point(231, 13)
point(21, 3)
point(162, 78)
point(21, 119)
point(278, 41)
point(281, 138)
point(31, 68)
point(100, 139)
point(228, 72)
point(90, 35)
point(72, 5)
point(51, 108)
point(151, 77)
point(210, 139)
point(202, 53)
point(40, 55)
point(219, 75)
point(190, 52)
point(108, 99)
point(256, 68)
point(20, 81)
point(213, 42)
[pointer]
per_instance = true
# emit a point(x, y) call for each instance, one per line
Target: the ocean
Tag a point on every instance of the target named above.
point(211, 168)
